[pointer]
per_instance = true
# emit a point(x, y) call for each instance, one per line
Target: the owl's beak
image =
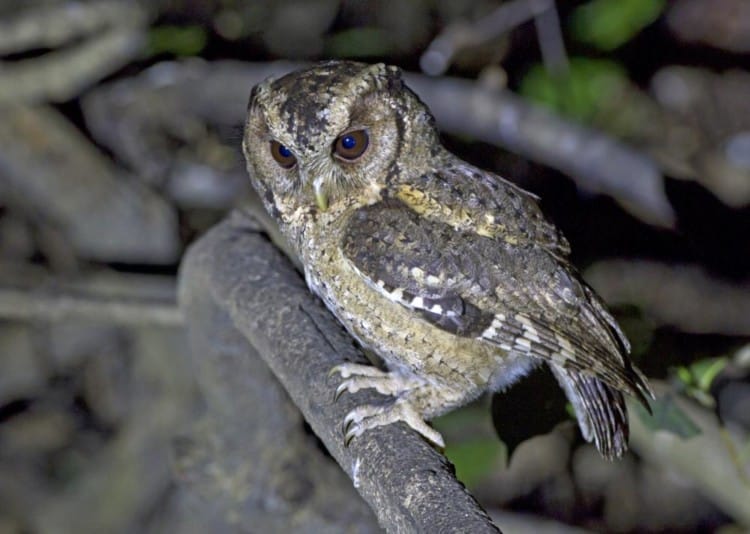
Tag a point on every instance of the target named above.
point(321, 199)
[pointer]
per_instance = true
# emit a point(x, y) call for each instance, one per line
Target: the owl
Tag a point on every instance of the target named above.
point(450, 274)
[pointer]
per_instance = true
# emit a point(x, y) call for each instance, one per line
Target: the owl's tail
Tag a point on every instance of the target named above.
point(600, 409)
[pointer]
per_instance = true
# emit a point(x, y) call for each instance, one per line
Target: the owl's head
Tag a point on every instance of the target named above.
point(324, 135)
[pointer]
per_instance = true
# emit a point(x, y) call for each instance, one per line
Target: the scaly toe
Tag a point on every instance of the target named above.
point(385, 384)
point(347, 369)
point(368, 417)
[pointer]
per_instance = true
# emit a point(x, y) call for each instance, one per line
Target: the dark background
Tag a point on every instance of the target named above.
point(115, 157)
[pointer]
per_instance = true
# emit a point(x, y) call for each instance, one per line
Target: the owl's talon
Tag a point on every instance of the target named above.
point(346, 424)
point(358, 377)
point(367, 417)
point(348, 437)
point(339, 391)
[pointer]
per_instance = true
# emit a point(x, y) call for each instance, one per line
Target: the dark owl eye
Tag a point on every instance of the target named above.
point(282, 155)
point(351, 145)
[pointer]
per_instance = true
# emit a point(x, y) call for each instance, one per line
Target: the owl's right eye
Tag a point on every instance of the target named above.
point(282, 155)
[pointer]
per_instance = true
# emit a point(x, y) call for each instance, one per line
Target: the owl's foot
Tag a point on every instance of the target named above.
point(357, 377)
point(404, 387)
point(369, 416)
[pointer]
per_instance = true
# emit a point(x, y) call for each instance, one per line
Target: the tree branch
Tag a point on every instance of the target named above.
point(125, 299)
point(685, 296)
point(461, 35)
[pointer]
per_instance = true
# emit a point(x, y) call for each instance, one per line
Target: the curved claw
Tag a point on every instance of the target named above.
point(349, 437)
point(336, 369)
point(340, 391)
point(366, 417)
point(346, 425)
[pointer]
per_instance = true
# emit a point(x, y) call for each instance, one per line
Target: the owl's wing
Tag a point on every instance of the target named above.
point(469, 198)
point(518, 297)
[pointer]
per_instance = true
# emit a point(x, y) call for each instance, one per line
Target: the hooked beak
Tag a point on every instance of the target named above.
point(321, 199)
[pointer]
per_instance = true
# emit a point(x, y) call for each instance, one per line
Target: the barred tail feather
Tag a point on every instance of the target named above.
point(600, 409)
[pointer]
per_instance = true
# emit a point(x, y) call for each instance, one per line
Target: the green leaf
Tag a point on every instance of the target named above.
point(359, 42)
point(695, 380)
point(704, 371)
point(684, 376)
point(607, 24)
point(475, 459)
point(667, 415)
point(590, 87)
point(472, 444)
point(177, 40)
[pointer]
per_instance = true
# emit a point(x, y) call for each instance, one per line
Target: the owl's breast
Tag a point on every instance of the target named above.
point(395, 333)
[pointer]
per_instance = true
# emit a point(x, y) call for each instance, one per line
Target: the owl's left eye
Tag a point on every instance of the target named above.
point(351, 145)
point(282, 155)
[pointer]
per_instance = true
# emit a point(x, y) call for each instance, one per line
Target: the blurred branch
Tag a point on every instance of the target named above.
point(49, 26)
point(682, 295)
point(116, 36)
point(108, 298)
point(704, 459)
point(724, 24)
point(218, 92)
point(407, 484)
point(458, 36)
point(550, 37)
point(597, 162)
point(51, 172)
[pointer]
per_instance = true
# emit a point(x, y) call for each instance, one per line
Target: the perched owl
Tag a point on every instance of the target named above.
point(449, 273)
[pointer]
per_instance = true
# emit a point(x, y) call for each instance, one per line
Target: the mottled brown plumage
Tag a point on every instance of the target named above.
point(450, 274)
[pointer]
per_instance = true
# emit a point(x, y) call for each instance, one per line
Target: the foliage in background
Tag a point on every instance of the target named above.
point(475, 459)
point(591, 86)
point(696, 378)
point(666, 415)
point(359, 42)
point(598, 92)
point(608, 24)
point(177, 40)
point(473, 448)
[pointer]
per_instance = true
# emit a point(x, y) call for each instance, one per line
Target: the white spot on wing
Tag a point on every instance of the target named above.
point(490, 332)
point(567, 350)
point(531, 333)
